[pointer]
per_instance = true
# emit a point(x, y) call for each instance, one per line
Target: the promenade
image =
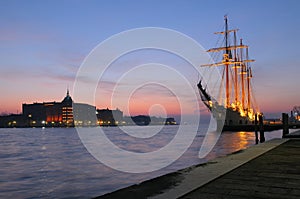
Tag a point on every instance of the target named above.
point(266, 170)
point(275, 174)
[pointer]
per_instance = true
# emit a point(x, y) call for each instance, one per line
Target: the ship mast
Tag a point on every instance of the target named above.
point(237, 75)
point(242, 77)
point(226, 59)
point(237, 83)
point(236, 71)
point(249, 76)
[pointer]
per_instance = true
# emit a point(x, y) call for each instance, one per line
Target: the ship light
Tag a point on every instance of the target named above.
point(242, 113)
point(233, 105)
point(251, 115)
point(210, 103)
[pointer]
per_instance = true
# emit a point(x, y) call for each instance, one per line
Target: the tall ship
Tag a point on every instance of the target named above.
point(236, 108)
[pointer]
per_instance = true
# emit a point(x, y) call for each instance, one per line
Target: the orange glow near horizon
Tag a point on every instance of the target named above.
point(146, 102)
point(149, 99)
point(136, 106)
point(155, 107)
point(11, 104)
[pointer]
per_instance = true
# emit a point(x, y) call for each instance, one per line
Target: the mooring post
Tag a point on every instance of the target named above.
point(285, 124)
point(261, 128)
point(256, 129)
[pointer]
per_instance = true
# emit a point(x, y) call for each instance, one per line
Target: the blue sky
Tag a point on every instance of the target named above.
point(42, 43)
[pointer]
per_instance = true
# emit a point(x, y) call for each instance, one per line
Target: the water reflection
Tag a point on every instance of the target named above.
point(53, 163)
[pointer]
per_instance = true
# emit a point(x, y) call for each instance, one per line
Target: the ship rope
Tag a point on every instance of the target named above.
point(220, 84)
point(255, 105)
point(232, 84)
point(220, 99)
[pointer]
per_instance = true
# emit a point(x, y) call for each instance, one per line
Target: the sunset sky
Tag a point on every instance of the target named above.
point(43, 43)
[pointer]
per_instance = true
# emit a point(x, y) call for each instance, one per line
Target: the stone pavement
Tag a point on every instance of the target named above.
point(295, 134)
point(275, 174)
point(267, 170)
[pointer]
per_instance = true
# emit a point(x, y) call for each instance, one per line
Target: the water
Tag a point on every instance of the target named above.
point(53, 163)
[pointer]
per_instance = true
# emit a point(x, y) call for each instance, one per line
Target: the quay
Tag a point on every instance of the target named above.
point(266, 170)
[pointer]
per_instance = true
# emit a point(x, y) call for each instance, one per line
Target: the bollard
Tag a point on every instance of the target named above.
point(256, 129)
point(261, 128)
point(285, 124)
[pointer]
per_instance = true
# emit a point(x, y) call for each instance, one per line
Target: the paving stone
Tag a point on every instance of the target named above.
point(275, 174)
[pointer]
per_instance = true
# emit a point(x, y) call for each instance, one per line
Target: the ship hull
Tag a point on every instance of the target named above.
point(227, 119)
point(251, 127)
point(231, 120)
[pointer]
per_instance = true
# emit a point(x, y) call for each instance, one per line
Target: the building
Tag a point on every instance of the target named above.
point(145, 120)
point(107, 117)
point(50, 113)
point(67, 113)
point(84, 115)
point(12, 120)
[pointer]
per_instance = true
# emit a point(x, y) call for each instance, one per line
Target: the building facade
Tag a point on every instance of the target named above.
point(107, 117)
point(49, 113)
point(66, 113)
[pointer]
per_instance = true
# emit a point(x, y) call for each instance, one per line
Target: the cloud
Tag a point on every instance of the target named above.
point(23, 34)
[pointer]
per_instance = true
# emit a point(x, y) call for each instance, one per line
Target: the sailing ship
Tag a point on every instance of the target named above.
point(237, 110)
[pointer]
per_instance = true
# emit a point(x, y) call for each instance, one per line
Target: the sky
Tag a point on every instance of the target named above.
point(43, 45)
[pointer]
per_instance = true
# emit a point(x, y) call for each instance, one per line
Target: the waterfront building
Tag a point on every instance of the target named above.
point(107, 117)
point(67, 113)
point(12, 120)
point(49, 113)
point(84, 114)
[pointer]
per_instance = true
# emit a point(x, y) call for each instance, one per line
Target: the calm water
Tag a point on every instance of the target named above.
point(53, 163)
